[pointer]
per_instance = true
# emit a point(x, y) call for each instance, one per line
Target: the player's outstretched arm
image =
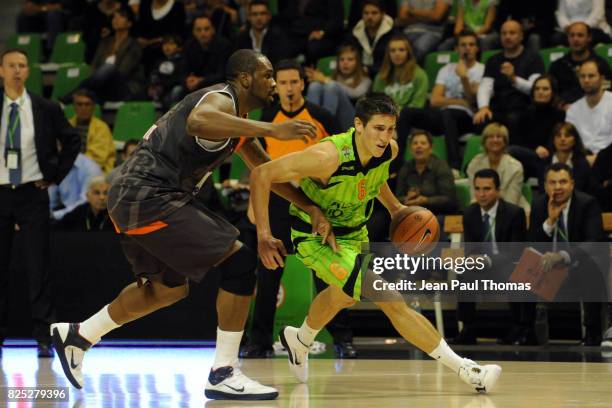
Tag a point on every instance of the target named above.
point(215, 119)
point(385, 195)
point(318, 161)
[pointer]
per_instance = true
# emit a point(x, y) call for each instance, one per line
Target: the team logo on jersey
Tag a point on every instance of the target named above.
point(361, 190)
point(346, 152)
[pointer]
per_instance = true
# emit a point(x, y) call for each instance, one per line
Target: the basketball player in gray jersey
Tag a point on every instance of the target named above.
point(170, 238)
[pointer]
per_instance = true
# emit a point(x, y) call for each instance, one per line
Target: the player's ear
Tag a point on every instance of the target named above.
point(245, 80)
point(359, 125)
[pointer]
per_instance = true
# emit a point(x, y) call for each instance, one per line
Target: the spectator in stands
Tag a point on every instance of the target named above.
point(313, 27)
point(589, 12)
point(292, 105)
point(426, 180)
point(205, 56)
point(495, 142)
point(71, 192)
point(566, 147)
point(477, 16)
point(165, 84)
point(592, 114)
point(491, 220)
point(116, 72)
point(157, 18)
point(452, 100)
point(536, 19)
point(96, 24)
point(96, 138)
point(128, 149)
point(372, 33)
point(543, 114)
point(338, 92)
point(503, 94)
point(47, 16)
point(91, 215)
point(389, 7)
point(400, 77)
point(566, 218)
point(423, 22)
point(565, 69)
point(31, 127)
point(223, 16)
point(260, 35)
point(602, 174)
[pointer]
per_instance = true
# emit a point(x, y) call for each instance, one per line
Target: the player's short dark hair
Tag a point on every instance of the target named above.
point(12, 50)
point(489, 174)
point(375, 104)
point(376, 3)
point(259, 3)
point(420, 132)
point(241, 61)
point(558, 167)
point(289, 64)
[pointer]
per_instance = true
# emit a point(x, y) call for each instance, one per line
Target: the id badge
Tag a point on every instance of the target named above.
point(13, 158)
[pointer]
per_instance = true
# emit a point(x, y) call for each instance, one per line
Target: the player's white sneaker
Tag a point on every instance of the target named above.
point(607, 339)
point(229, 383)
point(70, 347)
point(482, 378)
point(297, 351)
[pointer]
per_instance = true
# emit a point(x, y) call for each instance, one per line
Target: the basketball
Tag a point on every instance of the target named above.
point(414, 230)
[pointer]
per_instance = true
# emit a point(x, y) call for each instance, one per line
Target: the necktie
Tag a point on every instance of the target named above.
point(488, 233)
point(561, 229)
point(13, 141)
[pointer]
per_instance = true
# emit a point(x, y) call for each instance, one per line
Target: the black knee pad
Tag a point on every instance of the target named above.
point(238, 272)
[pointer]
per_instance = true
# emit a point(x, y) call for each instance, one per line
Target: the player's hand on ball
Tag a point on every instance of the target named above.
point(321, 226)
point(294, 129)
point(271, 251)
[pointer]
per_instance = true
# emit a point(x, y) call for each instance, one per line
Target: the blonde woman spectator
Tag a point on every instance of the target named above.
point(495, 142)
point(400, 77)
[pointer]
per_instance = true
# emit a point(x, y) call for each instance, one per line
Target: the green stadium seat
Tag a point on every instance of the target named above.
point(327, 65)
point(550, 55)
point(485, 55)
point(273, 7)
point(463, 195)
point(605, 52)
point(69, 111)
point(238, 168)
point(68, 79)
point(34, 83)
point(438, 149)
point(527, 192)
point(436, 60)
point(31, 43)
point(473, 146)
point(133, 120)
point(68, 48)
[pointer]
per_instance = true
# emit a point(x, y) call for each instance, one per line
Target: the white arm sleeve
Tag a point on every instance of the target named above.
point(485, 92)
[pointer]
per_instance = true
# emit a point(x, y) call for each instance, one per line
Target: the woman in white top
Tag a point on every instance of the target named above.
point(591, 12)
point(495, 142)
point(347, 83)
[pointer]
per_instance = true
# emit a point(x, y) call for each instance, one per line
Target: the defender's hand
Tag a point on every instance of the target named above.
point(321, 226)
point(271, 251)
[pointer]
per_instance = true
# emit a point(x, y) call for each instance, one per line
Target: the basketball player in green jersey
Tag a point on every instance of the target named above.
point(343, 174)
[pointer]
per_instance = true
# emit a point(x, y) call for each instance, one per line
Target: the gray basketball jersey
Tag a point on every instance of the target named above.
point(168, 166)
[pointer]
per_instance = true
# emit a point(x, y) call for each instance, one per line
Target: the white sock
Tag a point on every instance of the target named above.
point(228, 344)
point(97, 326)
point(446, 356)
point(306, 334)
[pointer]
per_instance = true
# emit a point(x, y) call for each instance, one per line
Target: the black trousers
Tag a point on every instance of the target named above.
point(451, 123)
point(28, 207)
point(268, 283)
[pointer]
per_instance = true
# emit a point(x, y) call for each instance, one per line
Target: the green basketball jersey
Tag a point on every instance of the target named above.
point(348, 198)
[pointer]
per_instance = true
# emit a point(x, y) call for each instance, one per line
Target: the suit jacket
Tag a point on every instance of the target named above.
point(510, 226)
point(274, 45)
point(50, 127)
point(588, 262)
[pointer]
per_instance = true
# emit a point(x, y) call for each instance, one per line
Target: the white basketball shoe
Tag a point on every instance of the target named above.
point(481, 378)
point(297, 351)
point(229, 383)
point(70, 347)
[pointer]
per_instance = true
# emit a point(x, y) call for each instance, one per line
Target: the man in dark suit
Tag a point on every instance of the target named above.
point(491, 220)
point(30, 130)
point(260, 36)
point(567, 217)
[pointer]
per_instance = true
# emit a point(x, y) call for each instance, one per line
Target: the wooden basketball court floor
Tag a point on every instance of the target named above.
point(175, 377)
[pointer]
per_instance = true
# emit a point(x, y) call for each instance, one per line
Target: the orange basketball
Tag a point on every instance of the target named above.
point(415, 230)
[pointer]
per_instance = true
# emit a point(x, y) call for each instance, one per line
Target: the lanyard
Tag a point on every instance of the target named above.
point(88, 223)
